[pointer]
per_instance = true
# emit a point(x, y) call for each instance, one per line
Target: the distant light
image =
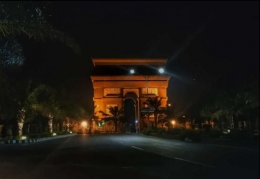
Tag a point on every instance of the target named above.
point(23, 137)
point(84, 124)
point(183, 116)
point(54, 134)
point(173, 122)
point(169, 104)
point(228, 130)
point(136, 121)
point(132, 71)
point(161, 70)
point(70, 132)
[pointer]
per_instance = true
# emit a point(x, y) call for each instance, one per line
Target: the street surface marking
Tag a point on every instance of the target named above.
point(137, 148)
point(194, 162)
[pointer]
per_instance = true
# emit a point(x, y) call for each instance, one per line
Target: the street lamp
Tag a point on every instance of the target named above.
point(173, 122)
point(84, 124)
point(161, 70)
point(132, 71)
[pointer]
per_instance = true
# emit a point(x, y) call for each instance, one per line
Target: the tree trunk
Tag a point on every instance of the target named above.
point(20, 127)
point(68, 124)
point(90, 126)
point(20, 121)
point(115, 122)
point(231, 122)
point(155, 119)
point(1, 127)
point(235, 122)
point(221, 128)
point(9, 131)
point(50, 123)
point(60, 125)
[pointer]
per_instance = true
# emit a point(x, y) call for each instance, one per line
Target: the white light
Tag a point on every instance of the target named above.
point(70, 132)
point(161, 70)
point(23, 137)
point(54, 134)
point(132, 71)
point(136, 121)
point(84, 124)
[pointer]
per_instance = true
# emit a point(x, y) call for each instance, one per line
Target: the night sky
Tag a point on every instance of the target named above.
point(210, 45)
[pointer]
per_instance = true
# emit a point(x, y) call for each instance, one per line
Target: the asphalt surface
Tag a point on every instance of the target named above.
point(125, 156)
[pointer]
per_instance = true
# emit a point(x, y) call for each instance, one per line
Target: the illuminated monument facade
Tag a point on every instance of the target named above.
point(116, 81)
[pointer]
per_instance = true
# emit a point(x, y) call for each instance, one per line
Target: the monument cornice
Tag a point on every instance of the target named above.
point(130, 78)
point(129, 61)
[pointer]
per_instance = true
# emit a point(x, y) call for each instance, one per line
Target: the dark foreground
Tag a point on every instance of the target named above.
point(125, 156)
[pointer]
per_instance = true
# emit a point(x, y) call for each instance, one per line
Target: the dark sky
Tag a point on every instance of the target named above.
point(215, 43)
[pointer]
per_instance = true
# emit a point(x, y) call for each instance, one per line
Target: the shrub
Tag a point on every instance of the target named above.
point(239, 134)
point(160, 131)
point(96, 132)
point(215, 133)
point(47, 134)
point(148, 131)
point(62, 132)
point(175, 131)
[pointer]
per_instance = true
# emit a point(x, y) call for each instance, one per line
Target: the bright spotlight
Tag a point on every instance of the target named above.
point(132, 71)
point(173, 122)
point(84, 124)
point(23, 137)
point(161, 70)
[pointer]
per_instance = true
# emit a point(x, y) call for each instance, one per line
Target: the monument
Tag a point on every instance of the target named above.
point(128, 83)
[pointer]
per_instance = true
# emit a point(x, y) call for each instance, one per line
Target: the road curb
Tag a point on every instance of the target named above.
point(33, 140)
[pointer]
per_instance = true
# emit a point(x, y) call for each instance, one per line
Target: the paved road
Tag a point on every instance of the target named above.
point(125, 156)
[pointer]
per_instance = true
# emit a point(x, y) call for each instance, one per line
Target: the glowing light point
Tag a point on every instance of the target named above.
point(173, 122)
point(161, 70)
point(23, 137)
point(132, 71)
point(84, 124)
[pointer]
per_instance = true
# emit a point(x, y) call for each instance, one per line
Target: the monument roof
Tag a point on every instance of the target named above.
point(125, 70)
point(129, 61)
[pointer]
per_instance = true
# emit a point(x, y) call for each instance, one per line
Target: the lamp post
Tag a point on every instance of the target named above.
point(84, 124)
point(173, 122)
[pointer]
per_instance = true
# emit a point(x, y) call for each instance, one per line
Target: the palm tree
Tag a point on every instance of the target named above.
point(23, 18)
point(92, 117)
point(114, 114)
point(207, 112)
point(43, 100)
point(155, 103)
